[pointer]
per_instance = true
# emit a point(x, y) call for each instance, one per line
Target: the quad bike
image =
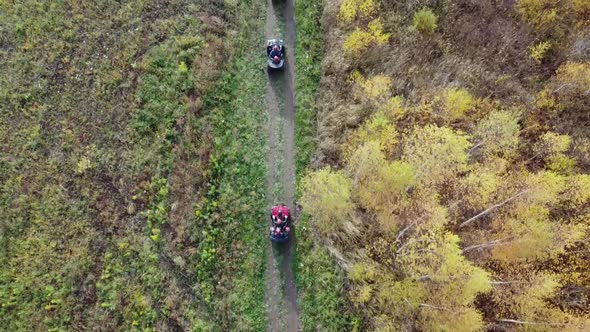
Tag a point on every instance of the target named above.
point(280, 219)
point(275, 52)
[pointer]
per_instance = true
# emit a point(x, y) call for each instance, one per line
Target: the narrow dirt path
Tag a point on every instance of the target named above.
point(281, 293)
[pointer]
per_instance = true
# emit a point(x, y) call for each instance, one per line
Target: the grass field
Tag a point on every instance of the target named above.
point(117, 206)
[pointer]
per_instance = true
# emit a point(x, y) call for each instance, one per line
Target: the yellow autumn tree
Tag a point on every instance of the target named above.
point(478, 188)
point(430, 280)
point(352, 9)
point(539, 13)
point(538, 51)
point(379, 185)
point(568, 90)
point(551, 147)
point(360, 39)
point(577, 192)
point(327, 198)
point(393, 108)
point(498, 135)
point(437, 153)
point(373, 88)
point(378, 129)
point(526, 228)
point(450, 282)
point(528, 305)
point(457, 102)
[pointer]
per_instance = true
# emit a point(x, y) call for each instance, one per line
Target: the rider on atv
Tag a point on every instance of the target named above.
point(275, 51)
point(279, 215)
point(280, 218)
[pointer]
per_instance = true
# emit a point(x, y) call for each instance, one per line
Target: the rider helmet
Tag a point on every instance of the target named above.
point(275, 48)
point(276, 59)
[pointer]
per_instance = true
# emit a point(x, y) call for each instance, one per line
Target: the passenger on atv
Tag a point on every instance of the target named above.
point(280, 218)
point(275, 51)
point(279, 215)
point(276, 54)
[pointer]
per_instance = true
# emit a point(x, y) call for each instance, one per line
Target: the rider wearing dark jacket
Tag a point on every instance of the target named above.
point(276, 53)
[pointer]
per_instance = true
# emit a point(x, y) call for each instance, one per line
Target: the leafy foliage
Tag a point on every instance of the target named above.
point(537, 52)
point(372, 88)
point(498, 134)
point(493, 185)
point(378, 129)
point(437, 153)
point(359, 40)
point(327, 197)
point(539, 13)
point(457, 102)
point(425, 21)
point(351, 9)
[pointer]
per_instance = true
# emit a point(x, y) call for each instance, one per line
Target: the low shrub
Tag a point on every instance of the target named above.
point(425, 21)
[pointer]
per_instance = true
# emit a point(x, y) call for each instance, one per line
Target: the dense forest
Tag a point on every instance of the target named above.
point(451, 182)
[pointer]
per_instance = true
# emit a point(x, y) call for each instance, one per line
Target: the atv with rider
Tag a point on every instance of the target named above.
point(280, 219)
point(275, 51)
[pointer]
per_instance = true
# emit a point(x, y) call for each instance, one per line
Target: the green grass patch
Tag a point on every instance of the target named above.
point(319, 284)
point(308, 73)
point(92, 97)
point(232, 215)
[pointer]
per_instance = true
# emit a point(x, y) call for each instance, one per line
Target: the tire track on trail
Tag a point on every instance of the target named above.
point(281, 293)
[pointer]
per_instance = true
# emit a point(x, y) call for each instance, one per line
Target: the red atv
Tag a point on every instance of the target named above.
point(280, 219)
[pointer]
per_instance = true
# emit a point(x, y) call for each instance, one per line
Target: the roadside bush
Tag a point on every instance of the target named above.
point(327, 196)
point(425, 21)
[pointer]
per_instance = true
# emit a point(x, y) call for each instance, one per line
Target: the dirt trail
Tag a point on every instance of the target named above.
point(281, 293)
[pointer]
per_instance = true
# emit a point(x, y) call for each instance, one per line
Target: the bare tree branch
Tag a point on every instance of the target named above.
point(499, 283)
point(424, 278)
point(490, 209)
point(403, 231)
point(411, 241)
point(475, 146)
point(515, 321)
point(430, 306)
point(559, 89)
point(490, 244)
point(408, 302)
